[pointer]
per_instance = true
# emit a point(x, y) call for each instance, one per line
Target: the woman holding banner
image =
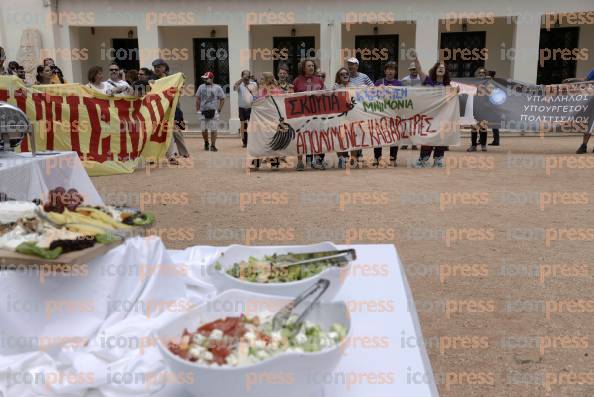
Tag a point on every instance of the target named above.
point(479, 130)
point(95, 77)
point(438, 76)
point(308, 81)
point(390, 72)
point(342, 80)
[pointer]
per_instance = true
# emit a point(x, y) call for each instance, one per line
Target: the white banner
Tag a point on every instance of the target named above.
point(350, 119)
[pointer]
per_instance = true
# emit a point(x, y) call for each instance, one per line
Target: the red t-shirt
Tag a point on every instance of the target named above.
point(312, 83)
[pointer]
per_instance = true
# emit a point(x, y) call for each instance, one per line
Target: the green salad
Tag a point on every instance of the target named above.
point(267, 269)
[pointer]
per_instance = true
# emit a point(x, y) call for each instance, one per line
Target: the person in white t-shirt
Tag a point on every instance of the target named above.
point(247, 89)
point(116, 85)
point(95, 76)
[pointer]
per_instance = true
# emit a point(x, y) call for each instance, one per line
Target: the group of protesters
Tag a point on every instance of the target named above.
point(311, 78)
point(210, 98)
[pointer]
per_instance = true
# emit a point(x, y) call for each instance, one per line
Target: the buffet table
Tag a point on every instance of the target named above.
point(24, 177)
point(382, 309)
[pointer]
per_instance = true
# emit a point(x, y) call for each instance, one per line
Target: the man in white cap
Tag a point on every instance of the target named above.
point(210, 99)
point(358, 79)
point(413, 77)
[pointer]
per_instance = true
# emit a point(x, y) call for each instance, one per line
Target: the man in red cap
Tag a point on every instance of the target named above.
point(210, 99)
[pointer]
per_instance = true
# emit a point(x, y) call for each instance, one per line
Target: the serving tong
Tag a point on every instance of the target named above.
point(281, 318)
point(337, 258)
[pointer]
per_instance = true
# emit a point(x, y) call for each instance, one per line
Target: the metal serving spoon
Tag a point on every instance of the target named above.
point(282, 316)
point(337, 258)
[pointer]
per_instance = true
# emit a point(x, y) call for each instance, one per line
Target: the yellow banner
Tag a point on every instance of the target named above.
point(110, 134)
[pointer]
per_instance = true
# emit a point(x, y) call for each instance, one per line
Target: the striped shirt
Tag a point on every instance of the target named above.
point(361, 79)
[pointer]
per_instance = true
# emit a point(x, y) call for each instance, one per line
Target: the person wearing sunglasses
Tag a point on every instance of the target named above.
point(342, 80)
point(117, 85)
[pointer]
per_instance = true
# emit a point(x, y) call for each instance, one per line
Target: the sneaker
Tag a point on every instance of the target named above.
point(206, 146)
point(244, 145)
point(421, 163)
point(213, 148)
point(582, 149)
point(404, 147)
point(300, 166)
point(375, 163)
point(255, 165)
point(471, 149)
point(494, 143)
point(173, 161)
point(437, 162)
point(414, 147)
point(483, 148)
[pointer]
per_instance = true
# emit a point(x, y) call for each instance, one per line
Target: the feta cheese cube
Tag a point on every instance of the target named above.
point(216, 334)
point(260, 344)
point(300, 338)
point(198, 339)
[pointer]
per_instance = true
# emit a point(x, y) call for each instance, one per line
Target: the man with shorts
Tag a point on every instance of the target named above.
point(210, 99)
point(247, 89)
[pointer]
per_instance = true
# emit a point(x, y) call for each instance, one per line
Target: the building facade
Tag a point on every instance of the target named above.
point(542, 41)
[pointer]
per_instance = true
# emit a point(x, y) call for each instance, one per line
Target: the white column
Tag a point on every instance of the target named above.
point(239, 41)
point(330, 47)
point(427, 41)
point(148, 37)
point(525, 54)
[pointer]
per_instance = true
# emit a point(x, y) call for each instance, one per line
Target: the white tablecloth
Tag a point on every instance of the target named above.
point(23, 177)
point(383, 308)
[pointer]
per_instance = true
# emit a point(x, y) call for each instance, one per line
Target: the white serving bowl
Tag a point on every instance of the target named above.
point(285, 375)
point(237, 253)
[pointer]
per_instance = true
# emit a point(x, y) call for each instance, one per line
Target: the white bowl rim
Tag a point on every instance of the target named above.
point(258, 364)
point(275, 284)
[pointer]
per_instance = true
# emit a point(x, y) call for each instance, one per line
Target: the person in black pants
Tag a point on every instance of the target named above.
point(438, 76)
point(495, 137)
point(495, 130)
point(478, 131)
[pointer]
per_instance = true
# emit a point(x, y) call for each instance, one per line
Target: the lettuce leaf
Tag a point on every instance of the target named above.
point(31, 248)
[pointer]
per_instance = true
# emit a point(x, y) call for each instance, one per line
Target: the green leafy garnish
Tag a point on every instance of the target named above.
point(31, 248)
point(144, 219)
point(107, 238)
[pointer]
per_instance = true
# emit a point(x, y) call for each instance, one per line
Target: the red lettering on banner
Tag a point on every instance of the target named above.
point(326, 141)
point(316, 104)
point(363, 135)
point(127, 127)
point(48, 102)
point(95, 119)
point(21, 100)
point(301, 145)
point(157, 123)
point(73, 102)
point(4, 95)
point(351, 134)
point(139, 119)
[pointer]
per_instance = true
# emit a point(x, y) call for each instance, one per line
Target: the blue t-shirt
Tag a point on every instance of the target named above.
point(590, 76)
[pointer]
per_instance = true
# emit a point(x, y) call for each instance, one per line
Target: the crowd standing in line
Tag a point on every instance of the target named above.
point(210, 98)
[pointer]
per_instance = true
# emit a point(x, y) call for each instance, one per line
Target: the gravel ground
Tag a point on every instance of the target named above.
point(497, 246)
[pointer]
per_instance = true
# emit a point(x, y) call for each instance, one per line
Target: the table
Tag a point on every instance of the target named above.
point(381, 302)
point(24, 177)
point(383, 308)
